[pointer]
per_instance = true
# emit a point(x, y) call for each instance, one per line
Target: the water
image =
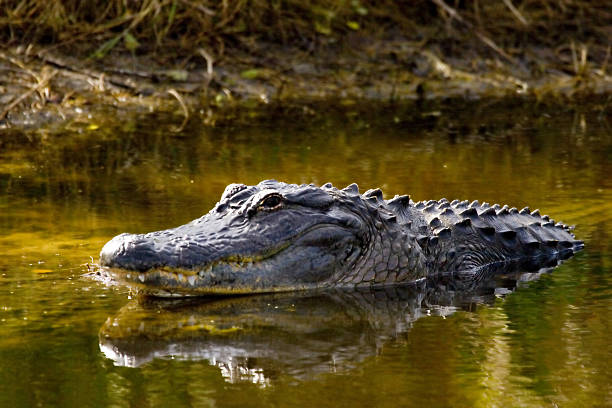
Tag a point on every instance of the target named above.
point(530, 340)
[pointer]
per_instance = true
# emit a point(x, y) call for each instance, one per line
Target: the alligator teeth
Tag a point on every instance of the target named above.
point(191, 279)
point(141, 277)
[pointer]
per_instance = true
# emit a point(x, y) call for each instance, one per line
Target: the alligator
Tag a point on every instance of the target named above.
point(274, 237)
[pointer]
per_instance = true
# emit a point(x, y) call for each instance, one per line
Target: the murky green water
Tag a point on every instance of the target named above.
point(530, 340)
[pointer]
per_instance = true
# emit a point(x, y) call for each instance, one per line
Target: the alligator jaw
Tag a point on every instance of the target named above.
point(169, 282)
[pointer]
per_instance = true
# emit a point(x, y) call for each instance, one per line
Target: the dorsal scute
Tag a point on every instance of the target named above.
point(351, 189)
point(470, 212)
point(399, 201)
point(375, 192)
point(460, 205)
point(518, 232)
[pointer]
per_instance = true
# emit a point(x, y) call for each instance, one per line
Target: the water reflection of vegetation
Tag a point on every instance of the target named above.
point(151, 161)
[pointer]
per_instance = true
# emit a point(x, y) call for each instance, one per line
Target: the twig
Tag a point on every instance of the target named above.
point(179, 98)
point(19, 99)
point(20, 64)
point(92, 74)
point(199, 7)
point(209, 67)
point(209, 61)
point(454, 14)
point(516, 13)
point(604, 64)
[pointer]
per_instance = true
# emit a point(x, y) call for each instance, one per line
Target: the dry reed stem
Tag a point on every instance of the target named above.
point(35, 88)
point(186, 114)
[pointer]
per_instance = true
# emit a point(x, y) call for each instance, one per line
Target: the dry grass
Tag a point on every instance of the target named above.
point(177, 28)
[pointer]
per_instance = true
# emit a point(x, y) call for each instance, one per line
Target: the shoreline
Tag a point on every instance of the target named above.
point(350, 53)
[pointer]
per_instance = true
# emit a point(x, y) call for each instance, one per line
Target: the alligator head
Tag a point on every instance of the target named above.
point(264, 238)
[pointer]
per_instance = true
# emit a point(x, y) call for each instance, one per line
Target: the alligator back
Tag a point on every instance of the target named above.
point(460, 235)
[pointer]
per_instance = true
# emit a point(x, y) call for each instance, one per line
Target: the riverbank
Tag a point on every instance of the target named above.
point(60, 61)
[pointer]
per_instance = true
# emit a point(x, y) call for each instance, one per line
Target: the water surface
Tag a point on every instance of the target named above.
point(517, 340)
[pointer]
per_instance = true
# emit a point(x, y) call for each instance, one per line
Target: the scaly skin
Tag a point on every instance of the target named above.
point(279, 237)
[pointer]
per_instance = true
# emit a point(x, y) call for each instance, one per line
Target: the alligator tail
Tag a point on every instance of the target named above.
point(499, 233)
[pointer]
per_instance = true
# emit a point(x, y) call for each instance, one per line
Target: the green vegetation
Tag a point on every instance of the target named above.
point(211, 52)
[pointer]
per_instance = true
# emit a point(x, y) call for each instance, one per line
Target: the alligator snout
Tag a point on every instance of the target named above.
point(129, 251)
point(171, 248)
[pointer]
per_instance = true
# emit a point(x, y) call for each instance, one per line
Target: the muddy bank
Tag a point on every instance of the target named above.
point(359, 51)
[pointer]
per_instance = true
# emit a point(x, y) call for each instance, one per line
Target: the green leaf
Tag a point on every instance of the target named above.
point(253, 73)
point(177, 74)
point(106, 47)
point(171, 14)
point(359, 9)
point(322, 28)
point(130, 42)
point(323, 12)
point(353, 25)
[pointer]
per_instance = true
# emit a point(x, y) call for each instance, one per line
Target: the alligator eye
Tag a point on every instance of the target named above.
point(271, 202)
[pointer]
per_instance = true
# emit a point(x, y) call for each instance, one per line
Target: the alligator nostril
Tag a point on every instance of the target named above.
point(128, 251)
point(112, 249)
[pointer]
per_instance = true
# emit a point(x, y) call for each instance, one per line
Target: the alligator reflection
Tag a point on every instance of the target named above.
point(256, 338)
